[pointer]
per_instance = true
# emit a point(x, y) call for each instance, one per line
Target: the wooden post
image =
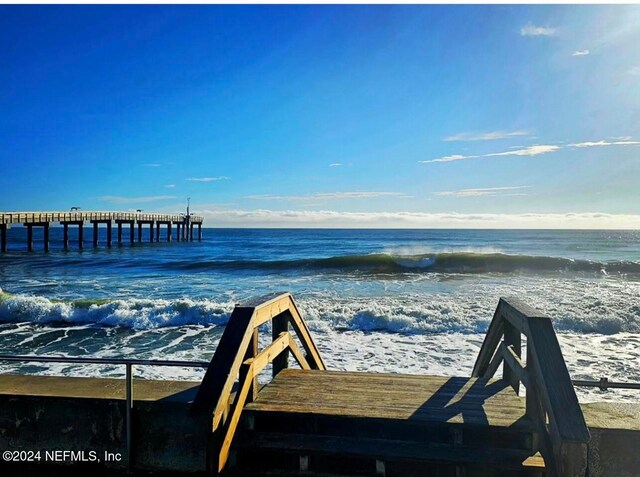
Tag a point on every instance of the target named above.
point(30, 237)
point(157, 231)
point(95, 234)
point(80, 235)
point(191, 232)
point(252, 351)
point(45, 236)
point(168, 231)
point(178, 231)
point(65, 236)
point(512, 338)
point(151, 232)
point(131, 233)
point(3, 238)
point(199, 231)
point(139, 232)
point(109, 234)
point(119, 233)
point(280, 325)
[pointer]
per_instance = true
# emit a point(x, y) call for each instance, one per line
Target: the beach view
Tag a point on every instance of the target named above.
point(166, 171)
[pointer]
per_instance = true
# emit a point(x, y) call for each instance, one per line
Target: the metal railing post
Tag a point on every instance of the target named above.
point(129, 423)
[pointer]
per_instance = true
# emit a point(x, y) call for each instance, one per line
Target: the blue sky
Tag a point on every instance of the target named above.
point(363, 116)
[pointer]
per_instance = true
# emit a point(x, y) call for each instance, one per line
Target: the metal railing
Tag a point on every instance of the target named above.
point(604, 384)
point(128, 363)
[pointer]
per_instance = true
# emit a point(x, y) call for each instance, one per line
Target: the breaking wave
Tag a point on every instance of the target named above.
point(454, 262)
point(408, 315)
point(130, 313)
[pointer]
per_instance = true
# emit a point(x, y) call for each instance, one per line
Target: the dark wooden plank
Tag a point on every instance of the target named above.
point(226, 360)
point(384, 449)
point(489, 345)
point(555, 381)
point(512, 340)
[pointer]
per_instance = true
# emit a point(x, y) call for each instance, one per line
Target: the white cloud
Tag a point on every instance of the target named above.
point(485, 136)
point(327, 196)
point(335, 164)
point(335, 219)
point(580, 53)
point(635, 71)
point(454, 157)
point(207, 179)
point(115, 199)
point(527, 151)
point(170, 186)
point(154, 164)
point(480, 192)
point(533, 30)
point(625, 142)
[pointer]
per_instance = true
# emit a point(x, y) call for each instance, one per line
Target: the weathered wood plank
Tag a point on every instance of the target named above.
point(364, 395)
point(391, 449)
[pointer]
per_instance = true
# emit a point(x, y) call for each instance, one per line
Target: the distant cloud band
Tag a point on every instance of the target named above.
point(329, 218)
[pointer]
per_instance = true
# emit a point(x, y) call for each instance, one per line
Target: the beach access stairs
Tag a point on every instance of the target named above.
point(269, 407)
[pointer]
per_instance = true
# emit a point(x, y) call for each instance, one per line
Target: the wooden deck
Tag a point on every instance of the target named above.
point(433, 399)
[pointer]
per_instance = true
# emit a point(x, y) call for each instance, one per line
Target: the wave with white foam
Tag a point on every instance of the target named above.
point(604, 311)
point(130, 313)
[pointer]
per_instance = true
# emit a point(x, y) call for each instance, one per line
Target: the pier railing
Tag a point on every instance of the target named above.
point(237, 359)
point(78, 216)
point(551, 401)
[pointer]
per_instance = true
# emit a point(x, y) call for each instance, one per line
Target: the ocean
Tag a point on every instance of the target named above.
point(413, 301)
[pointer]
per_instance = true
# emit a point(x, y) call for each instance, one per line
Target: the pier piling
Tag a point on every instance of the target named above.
point(139, 232)
point(3, 237)
point(95, 234)
point(119, 233)
point(30, 238)
point(46, 236)
point(65, 236)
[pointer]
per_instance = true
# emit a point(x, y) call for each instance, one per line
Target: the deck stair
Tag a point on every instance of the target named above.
point(311, 421)
point(385, 424)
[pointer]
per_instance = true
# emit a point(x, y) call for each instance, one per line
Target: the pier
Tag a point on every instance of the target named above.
point(275, 409)
point(184, 225)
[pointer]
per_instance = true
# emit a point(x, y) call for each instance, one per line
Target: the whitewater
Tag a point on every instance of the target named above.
point(376, 300)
